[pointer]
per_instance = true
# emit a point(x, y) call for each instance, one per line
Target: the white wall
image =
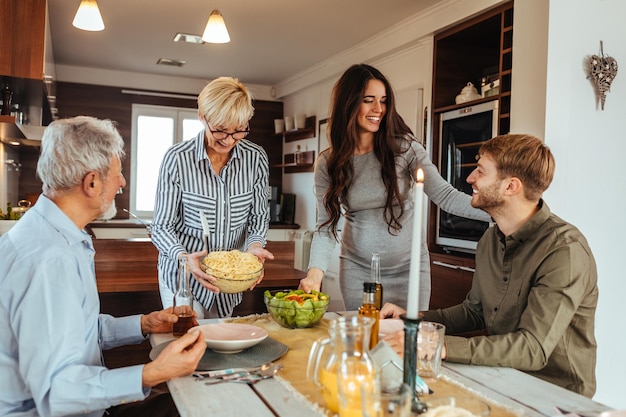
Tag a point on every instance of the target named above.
point(589, 145)
point(552, 99)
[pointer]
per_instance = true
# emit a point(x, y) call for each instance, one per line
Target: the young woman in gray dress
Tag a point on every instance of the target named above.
point(366, 177)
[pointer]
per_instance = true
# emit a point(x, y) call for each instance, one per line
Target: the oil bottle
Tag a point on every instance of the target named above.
point(369, 309)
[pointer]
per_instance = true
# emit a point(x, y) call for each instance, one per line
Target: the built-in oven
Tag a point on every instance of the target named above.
point(462, 131)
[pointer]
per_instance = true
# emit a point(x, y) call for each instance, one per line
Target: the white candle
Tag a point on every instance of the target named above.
point(412, 308)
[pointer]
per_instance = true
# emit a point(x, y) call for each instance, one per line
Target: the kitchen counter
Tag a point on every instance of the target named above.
point(133, 228)
point(129, 223)
point(125, 265)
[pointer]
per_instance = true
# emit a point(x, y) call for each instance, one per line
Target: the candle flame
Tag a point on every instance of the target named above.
point(420, 175)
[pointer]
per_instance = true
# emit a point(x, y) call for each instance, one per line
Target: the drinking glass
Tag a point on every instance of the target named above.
point(429, 346)
point(393, 402)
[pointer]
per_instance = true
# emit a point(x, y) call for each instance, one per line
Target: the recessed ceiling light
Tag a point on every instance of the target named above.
point(186, 37)
point(171, 62)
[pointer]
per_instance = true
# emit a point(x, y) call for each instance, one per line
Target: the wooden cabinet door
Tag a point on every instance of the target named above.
point(451, 279)
point(22, 41)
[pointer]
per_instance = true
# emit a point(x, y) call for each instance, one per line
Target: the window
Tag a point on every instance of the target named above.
point(154, 130)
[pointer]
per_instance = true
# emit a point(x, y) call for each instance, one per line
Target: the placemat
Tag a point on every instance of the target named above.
point(295, 362)
point(267, 351)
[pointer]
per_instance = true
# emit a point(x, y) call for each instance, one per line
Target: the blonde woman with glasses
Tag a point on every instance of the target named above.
point(218, 175)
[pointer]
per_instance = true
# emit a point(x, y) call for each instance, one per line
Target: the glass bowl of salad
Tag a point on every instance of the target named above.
point(295, 309)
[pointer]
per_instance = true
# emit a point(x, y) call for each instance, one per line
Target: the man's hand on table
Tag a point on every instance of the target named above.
point(179, 358)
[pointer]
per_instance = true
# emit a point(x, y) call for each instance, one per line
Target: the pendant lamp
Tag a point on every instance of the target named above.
point(88, 16)
point(215, 31)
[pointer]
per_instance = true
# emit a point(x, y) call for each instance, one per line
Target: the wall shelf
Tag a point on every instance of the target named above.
point(298, 134)
point(305, 162)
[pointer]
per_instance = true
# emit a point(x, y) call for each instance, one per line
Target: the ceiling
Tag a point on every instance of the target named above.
point(271, 40)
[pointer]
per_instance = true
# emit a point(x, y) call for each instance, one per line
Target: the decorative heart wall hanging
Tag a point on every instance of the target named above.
point(603, 70)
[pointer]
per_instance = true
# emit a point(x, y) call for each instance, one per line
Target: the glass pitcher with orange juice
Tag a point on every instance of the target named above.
point(344, 356)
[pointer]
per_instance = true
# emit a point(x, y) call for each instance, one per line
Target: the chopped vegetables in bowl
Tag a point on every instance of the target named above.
point(296, 309)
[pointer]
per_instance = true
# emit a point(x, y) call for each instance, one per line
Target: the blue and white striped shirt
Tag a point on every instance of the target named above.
point(235, 203)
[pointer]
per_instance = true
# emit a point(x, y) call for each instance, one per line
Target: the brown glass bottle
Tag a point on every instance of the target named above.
point(375, 271)
point(369, 309)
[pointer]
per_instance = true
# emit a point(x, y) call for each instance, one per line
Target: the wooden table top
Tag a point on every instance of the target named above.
point(509, 391)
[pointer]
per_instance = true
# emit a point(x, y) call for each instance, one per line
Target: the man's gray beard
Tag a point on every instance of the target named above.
point(109, 213)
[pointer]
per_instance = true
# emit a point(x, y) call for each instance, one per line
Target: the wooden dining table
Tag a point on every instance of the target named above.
point(510, 393)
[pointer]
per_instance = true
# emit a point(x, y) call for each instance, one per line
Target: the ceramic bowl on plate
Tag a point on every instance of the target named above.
point(231, 337)
point(457, 407)
point(233, 270)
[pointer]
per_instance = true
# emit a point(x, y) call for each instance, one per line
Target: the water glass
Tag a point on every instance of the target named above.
point(394, 402)
point(429, 346)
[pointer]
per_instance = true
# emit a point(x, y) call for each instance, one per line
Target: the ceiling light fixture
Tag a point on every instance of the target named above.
point(189, 38)
point(88, 16)
point(215, 31)
point(171, 62)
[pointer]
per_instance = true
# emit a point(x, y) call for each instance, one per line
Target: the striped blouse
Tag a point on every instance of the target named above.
point(235, 203)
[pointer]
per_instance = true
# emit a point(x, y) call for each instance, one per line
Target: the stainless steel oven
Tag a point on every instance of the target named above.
point(462, 131)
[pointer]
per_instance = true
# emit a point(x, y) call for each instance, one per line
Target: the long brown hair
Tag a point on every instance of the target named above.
point(343, 137)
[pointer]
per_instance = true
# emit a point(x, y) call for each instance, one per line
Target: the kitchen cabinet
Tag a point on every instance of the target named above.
point(23, 38)
point(23, 64)
point(451, 279)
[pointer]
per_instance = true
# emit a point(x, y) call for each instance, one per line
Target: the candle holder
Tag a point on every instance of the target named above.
point(411, 327)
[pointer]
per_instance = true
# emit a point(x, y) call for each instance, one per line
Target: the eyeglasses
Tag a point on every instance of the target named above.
point(237, 135)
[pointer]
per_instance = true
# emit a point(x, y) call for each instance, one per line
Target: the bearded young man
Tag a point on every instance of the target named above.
point(534, 292)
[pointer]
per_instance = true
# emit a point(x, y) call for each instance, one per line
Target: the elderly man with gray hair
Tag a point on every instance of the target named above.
point(52, 331)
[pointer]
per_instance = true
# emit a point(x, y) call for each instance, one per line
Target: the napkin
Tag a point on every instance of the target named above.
point(392, 365)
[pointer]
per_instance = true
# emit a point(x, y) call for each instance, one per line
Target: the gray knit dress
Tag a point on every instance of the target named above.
point(365, 230)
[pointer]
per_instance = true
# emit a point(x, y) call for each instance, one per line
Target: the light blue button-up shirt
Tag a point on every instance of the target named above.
point(51, 331)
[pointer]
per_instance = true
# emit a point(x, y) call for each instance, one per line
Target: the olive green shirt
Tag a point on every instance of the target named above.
point(534, 293)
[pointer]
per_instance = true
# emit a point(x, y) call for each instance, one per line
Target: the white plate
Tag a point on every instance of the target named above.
point(388, 326)
point(231, 337)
